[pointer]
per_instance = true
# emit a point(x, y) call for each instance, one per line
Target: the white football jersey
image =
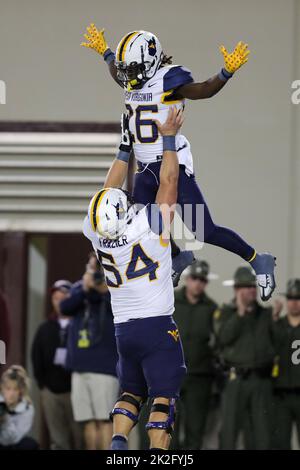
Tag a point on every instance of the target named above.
point(151, 102)
point(137, 268)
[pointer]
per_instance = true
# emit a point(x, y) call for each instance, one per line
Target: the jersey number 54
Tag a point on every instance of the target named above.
point(137, 254)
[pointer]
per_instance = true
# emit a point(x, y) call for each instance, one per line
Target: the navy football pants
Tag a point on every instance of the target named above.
point(146, 184)
point(151, 361)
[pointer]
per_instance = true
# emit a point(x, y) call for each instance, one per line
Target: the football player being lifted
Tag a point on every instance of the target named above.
point(151, 84)
point(132, 244)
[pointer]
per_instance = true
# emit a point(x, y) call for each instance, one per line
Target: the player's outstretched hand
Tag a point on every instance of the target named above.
point(96, 39)
point(173, 123)
point(234, 60)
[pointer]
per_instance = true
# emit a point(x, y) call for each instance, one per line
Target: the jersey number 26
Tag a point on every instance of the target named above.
point(139, 123)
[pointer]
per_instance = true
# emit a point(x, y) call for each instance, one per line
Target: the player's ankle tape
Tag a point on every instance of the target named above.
point(169, 143)
point(224, 75)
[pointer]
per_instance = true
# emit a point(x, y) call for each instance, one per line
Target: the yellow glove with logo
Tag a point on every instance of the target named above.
point(96, 39)
point(234, 60)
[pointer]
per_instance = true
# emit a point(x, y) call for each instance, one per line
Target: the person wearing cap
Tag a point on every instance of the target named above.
point(48, 355)
point(245, 336)
point(194, 311)
point(92, 355)
point(287, 369)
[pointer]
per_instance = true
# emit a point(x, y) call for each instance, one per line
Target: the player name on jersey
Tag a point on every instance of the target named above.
point(106, 243)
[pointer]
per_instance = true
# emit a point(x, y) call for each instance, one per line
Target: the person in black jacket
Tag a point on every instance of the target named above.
point(92, 355)
point(54, 380)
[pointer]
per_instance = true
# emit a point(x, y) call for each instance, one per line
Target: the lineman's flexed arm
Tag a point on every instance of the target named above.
point(166, 196)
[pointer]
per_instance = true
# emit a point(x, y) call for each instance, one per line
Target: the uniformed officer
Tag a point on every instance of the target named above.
point(287, 369)
point(244, 330)
point(193, 314)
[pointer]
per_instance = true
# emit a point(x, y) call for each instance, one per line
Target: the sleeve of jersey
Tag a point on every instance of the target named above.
point(154, 218)
point(176, 77)
point(87, 230)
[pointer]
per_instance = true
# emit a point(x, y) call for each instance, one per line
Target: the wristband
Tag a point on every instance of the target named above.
point(123, 155)
point(169, 143)
point(108, 56)
point(224, 75)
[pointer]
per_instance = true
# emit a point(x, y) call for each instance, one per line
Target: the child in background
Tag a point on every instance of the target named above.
point(16, 410)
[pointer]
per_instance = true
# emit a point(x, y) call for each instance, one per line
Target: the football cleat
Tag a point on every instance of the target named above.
point(264, 265)
point(179, 264)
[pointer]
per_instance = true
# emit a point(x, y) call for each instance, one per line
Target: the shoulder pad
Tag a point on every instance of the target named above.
point(176, 76)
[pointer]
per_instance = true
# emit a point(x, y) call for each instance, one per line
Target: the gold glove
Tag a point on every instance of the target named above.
point(96, 39)
point(234, 60)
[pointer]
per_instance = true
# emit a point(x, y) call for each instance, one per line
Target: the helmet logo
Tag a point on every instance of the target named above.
point(152, 46)
point(120, 210)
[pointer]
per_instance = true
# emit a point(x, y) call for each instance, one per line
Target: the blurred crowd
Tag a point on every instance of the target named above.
point(241, 391)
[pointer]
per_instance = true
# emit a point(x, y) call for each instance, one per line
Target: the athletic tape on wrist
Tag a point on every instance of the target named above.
point(108, 56)
point(169, 143)
point(224, 75)
point(124, 156)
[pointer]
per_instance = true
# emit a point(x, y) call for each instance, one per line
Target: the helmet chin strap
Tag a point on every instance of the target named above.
point(140, 77)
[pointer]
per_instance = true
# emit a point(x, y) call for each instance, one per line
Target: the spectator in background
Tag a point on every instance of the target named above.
point(287, 370)
point(193, 314)
point(16, 411)
point(245, 334)
point(48, 354)
point(92, 355)
point(4, 324)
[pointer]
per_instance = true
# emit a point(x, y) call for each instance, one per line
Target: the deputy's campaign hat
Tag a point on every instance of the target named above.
point(243, 277)
point(293, 289)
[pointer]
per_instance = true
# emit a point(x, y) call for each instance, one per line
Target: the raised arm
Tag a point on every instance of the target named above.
point(118, 171)
point(97, 42)
point(232, 62)
point(167, 192)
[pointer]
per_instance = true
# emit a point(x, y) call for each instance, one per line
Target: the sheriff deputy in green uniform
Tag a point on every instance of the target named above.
point(194, 317)
point(287, 369)
point(245, 336)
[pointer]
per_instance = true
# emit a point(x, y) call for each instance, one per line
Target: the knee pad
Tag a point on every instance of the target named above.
point(169, 410)
point(123, 411)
